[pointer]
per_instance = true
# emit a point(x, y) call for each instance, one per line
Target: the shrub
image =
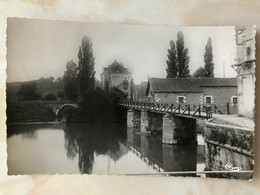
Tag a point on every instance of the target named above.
point(50, 96)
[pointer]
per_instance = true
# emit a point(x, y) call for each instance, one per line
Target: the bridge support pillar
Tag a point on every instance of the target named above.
point(179, 130)
point(133, 118)
point(168, 130)
point(130, 116)
point(144, 121)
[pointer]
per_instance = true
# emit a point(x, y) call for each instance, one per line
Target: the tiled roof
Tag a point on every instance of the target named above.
point(192, 85)
point(116, 67)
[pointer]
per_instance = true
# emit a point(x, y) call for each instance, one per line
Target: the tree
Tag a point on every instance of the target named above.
point(71, 82)
point(50, 97)
point(208, 59)
point(172, 63)
point(61, 95)
point(182, 56)
point(200, 72)
point(86, 65)
point(28, 91)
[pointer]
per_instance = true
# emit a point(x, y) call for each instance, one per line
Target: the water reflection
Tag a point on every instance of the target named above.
point(88, 140)
point(164, 157)
point(99, 149)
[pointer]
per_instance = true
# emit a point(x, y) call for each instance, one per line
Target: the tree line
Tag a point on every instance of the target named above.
point(178, 60)
point(79, 78)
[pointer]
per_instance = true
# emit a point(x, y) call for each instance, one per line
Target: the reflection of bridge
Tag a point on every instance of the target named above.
point(161, 157)
point(150, 161)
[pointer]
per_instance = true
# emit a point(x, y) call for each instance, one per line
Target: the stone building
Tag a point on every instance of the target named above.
point(117, 77)
point(245, 68)
point(221, 92)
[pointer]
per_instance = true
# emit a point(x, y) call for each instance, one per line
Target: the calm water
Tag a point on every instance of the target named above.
point(82, 148)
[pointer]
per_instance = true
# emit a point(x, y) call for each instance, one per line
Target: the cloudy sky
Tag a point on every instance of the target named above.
point(41, 48)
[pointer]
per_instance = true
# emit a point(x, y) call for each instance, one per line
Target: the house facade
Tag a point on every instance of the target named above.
point(221, 92)
point(117, 77)
point(245, 68)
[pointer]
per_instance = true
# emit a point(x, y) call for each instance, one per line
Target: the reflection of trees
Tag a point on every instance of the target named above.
point(30, 135)
point(86, 139)
point(27, 131)
point(70, 144)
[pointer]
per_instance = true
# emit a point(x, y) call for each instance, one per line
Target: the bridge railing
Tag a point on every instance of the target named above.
point(179, 109)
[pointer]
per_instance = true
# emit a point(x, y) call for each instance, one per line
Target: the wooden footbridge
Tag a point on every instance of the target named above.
point(201, 111)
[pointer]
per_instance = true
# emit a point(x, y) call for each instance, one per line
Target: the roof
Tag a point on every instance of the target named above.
point(191, 85)
point(117, 68)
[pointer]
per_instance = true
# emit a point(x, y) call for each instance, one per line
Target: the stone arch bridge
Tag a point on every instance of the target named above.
point(62, 110)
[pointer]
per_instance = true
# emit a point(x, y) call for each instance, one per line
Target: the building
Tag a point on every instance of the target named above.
point(221, 92)
point(117, 77)
point(140, 92)
point(245, 68)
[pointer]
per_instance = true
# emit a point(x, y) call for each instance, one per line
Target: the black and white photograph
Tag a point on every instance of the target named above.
point(122, 99)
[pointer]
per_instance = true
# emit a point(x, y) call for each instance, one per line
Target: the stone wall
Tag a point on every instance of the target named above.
point(229, 146)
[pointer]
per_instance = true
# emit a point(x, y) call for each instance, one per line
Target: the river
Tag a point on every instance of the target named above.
point(92, 149)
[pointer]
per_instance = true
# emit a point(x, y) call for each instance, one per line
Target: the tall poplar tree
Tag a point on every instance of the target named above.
point(86, 65)
point(71, 84)
point(208, 59)
point(172, 63)
point(183, 56)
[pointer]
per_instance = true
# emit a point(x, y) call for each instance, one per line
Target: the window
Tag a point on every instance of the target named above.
point(208, 99)
point(234, 100)
point(181, 99)
point(248, 51)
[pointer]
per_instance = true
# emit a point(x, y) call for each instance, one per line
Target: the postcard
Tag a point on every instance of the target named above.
point(118, 99)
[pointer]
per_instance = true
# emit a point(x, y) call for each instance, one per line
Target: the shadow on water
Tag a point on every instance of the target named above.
point(88, 140)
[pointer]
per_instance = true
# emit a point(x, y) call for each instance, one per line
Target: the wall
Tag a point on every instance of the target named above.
point(229, 145)
point(118, 78)
point(246, 84)
point(221, 95)
point(246, 98)
point(191, 98)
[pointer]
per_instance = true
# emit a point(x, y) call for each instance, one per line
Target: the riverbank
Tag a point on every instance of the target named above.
point(28, 111)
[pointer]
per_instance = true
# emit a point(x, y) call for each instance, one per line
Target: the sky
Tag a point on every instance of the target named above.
point(41, 48)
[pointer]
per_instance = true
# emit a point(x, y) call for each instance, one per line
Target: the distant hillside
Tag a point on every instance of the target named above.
point(45, 86)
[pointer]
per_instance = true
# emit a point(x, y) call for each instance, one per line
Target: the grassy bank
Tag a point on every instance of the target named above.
point(28, 111)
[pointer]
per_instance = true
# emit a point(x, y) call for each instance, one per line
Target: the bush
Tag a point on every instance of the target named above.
point(62, 95)
point(28, 91)
point(50, 96)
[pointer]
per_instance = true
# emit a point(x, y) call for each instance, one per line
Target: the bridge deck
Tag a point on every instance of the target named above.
point(184, 110)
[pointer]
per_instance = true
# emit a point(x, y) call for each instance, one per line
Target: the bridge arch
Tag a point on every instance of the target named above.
point(67, 108)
